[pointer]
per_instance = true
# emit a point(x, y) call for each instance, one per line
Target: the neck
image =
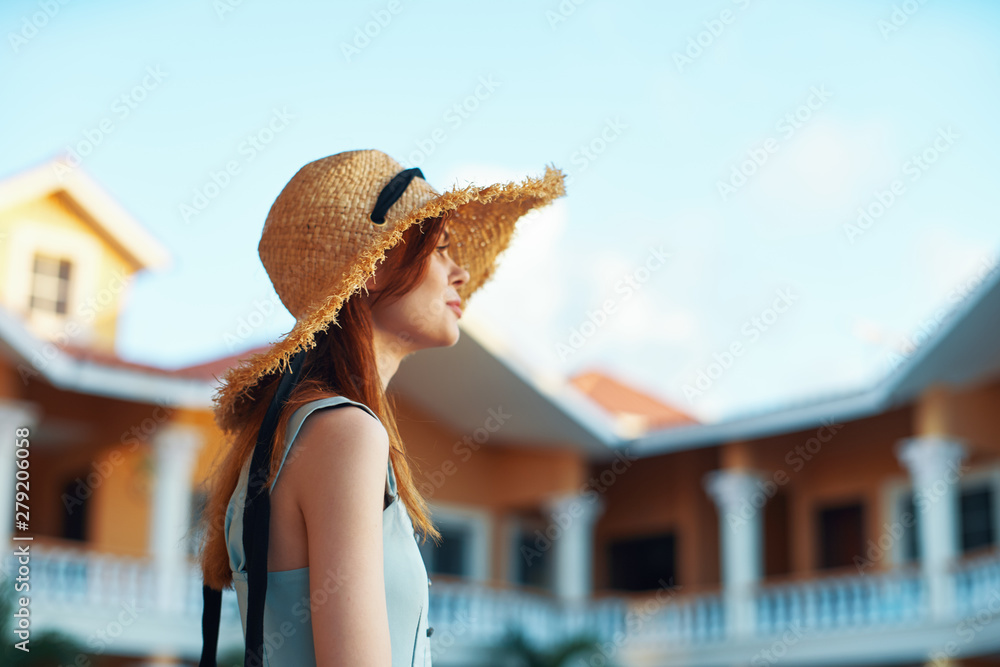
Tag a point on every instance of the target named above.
point(389, 351)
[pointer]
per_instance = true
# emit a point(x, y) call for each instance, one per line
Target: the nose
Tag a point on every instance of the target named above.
point(460, 275)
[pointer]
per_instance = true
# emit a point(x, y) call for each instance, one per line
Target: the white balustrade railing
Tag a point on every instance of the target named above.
point(478, 615)
point(837, 603)
point(483, 616)
point(684, 620)
point(977, 586)
point(88, 579)
point(828, 605)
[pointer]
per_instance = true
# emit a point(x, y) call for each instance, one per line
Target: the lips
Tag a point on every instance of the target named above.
point(455, 306)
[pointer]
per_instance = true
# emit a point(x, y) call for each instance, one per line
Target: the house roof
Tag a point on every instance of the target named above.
point(114, 223)
point(635, 410)
point(483, 374)
point(74, 368)
point(111, 360)
point(215, 368)
point(962, 349)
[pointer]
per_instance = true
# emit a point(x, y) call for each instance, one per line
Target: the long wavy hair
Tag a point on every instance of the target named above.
point(342, 363)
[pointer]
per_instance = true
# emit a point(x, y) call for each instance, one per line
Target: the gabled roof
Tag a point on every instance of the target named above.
point(114, 223)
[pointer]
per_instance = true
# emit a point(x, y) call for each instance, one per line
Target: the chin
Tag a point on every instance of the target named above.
point(453, 337)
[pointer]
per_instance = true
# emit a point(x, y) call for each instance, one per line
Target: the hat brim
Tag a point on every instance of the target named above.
point(482, 225)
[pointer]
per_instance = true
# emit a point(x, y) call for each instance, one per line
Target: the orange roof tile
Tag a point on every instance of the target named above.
point(629, 403)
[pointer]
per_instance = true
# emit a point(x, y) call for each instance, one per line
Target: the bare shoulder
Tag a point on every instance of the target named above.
point(339, 446)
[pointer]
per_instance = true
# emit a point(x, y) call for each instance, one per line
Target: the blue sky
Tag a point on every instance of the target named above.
point(820, 108)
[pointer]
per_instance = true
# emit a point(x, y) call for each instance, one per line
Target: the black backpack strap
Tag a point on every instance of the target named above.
point(256, 519)
point(257, 514)
point(210, 615)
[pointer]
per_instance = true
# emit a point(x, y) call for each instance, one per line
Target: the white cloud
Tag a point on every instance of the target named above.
point(824, 169)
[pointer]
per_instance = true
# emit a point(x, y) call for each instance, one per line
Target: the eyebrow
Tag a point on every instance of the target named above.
point(446, 236)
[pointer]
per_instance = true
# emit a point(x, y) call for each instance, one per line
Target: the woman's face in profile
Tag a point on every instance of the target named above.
point(423, 317)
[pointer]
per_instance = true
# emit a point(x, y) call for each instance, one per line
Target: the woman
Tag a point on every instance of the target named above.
point(344, 581)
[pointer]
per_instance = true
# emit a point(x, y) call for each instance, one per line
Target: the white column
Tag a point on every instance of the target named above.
point(175, 448)
point(573, 519)
point(13, 415)
point(935, 463)
point(739, 498)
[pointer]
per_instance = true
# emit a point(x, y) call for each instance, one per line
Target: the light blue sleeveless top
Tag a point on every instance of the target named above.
point(288, 636)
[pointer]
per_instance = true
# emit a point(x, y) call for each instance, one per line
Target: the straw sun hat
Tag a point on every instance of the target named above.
point(333, 222)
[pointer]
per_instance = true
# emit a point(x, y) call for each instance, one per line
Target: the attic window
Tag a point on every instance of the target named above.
point(50, 284)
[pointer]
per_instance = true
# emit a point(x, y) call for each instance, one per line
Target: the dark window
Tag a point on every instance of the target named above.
point(643, 563)
point(75, 502)
point(50, 284)
point(977, 527)
point(841, 535)
point(976, 506)
point(449, 557)
point(777, 558)
point(534, 559)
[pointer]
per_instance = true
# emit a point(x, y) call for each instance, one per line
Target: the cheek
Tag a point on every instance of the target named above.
point(438, 264)
point(423, 307)
point(435, 281)
point(416, 311)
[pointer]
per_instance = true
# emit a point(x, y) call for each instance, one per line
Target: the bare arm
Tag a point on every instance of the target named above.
point(340, 489)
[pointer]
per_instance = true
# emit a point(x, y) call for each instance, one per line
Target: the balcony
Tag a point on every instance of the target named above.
point(110, 605)
point(831, 621)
